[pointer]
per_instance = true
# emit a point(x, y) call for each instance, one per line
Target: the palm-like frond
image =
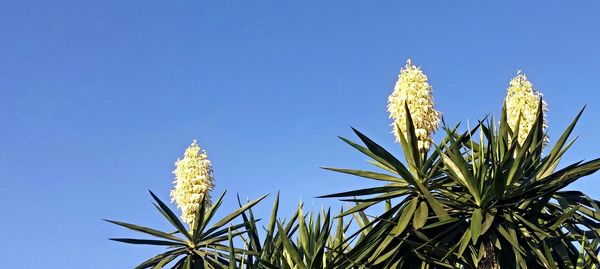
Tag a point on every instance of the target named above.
point(205, 245)
point(312, 240)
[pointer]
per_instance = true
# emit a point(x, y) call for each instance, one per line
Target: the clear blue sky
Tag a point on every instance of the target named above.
point(99, 98)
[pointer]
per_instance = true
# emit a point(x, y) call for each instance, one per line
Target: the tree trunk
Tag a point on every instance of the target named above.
point(489, 260)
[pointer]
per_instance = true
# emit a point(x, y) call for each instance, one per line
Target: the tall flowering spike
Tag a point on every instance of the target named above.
point(193, 182)
point(412, 88)
point(523, 100)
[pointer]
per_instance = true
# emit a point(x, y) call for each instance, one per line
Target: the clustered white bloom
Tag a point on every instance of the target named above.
point(412, 88)
point(193, 182)
point(522, 100)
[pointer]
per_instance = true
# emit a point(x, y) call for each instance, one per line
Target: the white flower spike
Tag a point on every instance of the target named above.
point(193, 182)
point(522, 100)
point(413, 89)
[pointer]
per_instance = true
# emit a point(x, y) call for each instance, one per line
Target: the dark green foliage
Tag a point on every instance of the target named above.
point(479, 200)
point(205, 245)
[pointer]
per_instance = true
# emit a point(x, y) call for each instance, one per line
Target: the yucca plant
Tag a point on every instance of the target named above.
point(397, 237)
point(268, 252)
point(485, 198)
point(387, 240)
point(204, 244)
point(514, 211)
point(303, 241)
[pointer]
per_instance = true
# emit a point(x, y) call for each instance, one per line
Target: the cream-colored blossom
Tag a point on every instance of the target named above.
point(522, 100)
point(193, 182)
point(412, 88)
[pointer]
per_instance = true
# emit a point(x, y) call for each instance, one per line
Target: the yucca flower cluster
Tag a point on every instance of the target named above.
point(193, 182)
point(522, 101)
point(413, 89)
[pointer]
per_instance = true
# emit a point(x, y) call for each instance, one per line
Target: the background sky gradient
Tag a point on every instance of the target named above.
point(99, 98)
